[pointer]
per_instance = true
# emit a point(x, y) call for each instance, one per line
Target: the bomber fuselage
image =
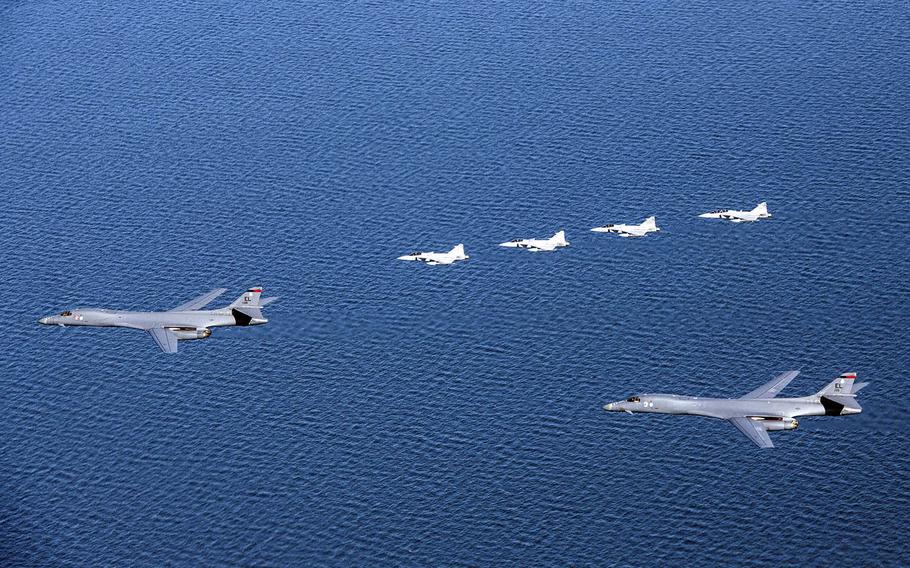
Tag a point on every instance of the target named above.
point(145, 320)
point(720, 407)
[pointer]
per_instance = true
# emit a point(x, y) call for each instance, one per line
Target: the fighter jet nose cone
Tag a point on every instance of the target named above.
point(608, 407)
point(44, 321)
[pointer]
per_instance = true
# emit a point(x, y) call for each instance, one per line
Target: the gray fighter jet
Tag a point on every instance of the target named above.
point(758, 412)
point(186, 321)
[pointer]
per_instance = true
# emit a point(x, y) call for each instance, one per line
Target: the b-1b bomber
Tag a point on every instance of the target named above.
point(759, 412)
point(185, 322)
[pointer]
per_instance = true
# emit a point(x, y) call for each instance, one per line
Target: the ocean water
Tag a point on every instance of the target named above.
point(393, 414)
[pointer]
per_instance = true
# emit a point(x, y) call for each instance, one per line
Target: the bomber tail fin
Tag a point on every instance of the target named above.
point(247, 308)
point(839, 396)
point(249, 299)
point(841, 386)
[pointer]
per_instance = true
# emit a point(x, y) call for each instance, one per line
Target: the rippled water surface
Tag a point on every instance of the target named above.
point(398, 414)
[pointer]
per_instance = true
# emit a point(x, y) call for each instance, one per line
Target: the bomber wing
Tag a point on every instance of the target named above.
point(199, 302)
point(165, 339)
point(771, 389)
point(753, 430)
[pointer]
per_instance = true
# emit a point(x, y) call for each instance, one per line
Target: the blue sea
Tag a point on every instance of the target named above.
point(395, 414)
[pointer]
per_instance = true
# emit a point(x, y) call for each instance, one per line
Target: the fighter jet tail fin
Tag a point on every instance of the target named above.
point(761, 208)
point(457, 250)
point(559, 238)
point(650, 223)
point(249, 299)
point(842, 386)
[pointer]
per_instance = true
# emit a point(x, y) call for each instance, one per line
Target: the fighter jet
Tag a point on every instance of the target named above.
point(434, 258)
point(648, 226)
point(760, 212)
point(758, 412)
point(539, 245)
point(185, 322)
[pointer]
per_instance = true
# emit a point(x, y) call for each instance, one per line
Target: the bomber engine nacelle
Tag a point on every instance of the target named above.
point(775, 424)
point(185, 334)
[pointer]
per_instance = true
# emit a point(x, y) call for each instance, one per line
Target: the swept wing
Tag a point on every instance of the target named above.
point(753, 430)
point(165, 339)
point(201, 301)
point(770, 389)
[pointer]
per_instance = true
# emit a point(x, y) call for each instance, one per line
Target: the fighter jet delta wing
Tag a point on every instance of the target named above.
point(199, 302)
point(165, 339)
point(649, 225)
point(760, 211)
point(753, 430)
point(436, 258)
point(771, 389)
point(558, 240)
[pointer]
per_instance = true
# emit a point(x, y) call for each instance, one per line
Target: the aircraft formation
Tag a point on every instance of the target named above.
point(558, 240)
point(754, 414)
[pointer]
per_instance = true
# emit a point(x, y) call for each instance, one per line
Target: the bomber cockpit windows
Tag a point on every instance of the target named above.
point(67, 313)
point(633, 399)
